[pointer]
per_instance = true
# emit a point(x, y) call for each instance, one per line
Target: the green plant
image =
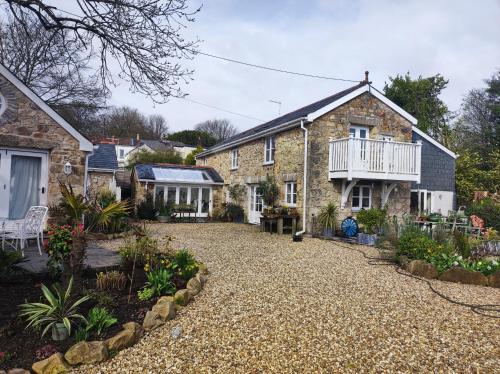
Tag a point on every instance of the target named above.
point(462, 244)
point(110, 280)
point(9, 261)
point(99, 319)
point(146, 157)
point(102, 299)
point(184, 264)
point(269, 191)
point(236, 193)
point(165, 209)
point(416, 244)
point(57, 310)
point(234, 212)
point(372, 219)
point(146, 208)
point(159, 283)
point(81, 334)
point(328, 216)
point(488, 210)
point(60, 240)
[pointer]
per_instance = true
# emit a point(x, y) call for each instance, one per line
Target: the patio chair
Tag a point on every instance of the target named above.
point(31, 227)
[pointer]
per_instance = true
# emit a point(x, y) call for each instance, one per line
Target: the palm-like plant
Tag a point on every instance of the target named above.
point(57, 310)
point(327, 217)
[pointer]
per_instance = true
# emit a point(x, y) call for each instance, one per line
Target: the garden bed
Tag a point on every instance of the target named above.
point(20, 345)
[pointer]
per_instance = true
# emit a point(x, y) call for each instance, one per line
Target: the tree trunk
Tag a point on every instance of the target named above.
point(74, 265)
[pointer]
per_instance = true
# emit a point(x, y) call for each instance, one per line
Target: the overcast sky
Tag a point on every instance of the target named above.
point(459, 39)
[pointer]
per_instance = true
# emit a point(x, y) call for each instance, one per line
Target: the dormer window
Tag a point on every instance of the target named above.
point(234, 159)
point(270, 147)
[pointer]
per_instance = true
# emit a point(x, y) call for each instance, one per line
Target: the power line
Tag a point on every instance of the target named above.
point(273, 69)
point(222, 109)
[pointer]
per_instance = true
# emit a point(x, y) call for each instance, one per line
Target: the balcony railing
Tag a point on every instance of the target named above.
point(354, 158)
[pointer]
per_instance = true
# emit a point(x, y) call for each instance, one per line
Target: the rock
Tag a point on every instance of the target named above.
point(422, 269)
point(182, 297)
point(152, 321)
point(176, 332)
point(165, 309)
point(17, 371)
point(55, 364)
point(129, 336)
point(494, 279)
point(201, 278)
point(87, 353)
point(193, 286)
point(202, 268)
point(459, 275)
point(404, 261)
point(166, 298)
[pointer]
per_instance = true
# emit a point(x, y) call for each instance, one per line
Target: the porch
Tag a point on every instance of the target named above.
point(356, 158)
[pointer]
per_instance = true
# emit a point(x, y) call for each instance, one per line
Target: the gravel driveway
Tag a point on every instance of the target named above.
point(272, 305)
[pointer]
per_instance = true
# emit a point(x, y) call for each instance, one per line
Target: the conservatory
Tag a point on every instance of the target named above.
point(186, 186)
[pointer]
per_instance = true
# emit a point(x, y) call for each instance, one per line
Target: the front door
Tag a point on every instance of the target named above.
point(255, 205)
point(23, 181)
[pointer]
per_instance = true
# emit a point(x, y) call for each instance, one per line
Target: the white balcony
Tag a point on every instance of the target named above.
point(354, 158)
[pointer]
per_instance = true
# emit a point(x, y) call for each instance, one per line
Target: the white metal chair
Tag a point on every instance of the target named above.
point(31, 227)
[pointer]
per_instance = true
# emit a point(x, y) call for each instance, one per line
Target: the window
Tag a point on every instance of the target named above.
point(3, 105)
point(122, 154)
point(361, 197)
point(387, 138)
point(234, 159)
point(269, 150)
point(291, 193)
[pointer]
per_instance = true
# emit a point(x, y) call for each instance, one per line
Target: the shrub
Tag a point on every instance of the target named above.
point(328, 216)
point(159, 283)
point(234, 212)
point(269, 190)
point(488, 210)
point(416, 244)
point(184, 265)
point(110, 280)
point(99, 319)
point(9, 261)
point(146, 208)
point(58, 309)
point(372, 219)
point(236, 192)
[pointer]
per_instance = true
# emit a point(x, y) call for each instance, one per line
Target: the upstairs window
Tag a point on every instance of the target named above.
point(234, 159)
point(361, 197)
point(291, 193)
point(270, 147)
point(122, 154)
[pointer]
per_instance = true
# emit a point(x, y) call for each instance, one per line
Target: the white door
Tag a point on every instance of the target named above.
point(361, 151)
point(255, 205)
point(23, 181)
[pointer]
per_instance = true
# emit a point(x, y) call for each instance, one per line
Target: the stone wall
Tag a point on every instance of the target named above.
point(98, 180)
point(287, 166)
point(25, 125)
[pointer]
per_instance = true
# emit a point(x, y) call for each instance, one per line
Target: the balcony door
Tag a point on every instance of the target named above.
point(361, 151)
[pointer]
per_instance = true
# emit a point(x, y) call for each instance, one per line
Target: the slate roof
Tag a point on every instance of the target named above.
point(156, 145)
point(295, 115)
point(104, 157)
point(145, 171)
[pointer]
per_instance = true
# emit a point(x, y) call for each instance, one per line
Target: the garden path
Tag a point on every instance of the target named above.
point(271, 305)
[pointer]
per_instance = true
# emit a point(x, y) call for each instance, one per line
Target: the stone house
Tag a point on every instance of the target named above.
point(102, 170)
point(353, 148)
point(37, 148)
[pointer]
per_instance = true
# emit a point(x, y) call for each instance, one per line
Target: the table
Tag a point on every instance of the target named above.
point(279, 222)
point(8, 226)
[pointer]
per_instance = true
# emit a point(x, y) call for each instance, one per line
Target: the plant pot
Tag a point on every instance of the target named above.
point(59, 332)
point(328, 232)
point(163, 219)
point(367, 239)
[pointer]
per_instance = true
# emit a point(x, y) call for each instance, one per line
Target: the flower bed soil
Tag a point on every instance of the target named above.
point(20, 345)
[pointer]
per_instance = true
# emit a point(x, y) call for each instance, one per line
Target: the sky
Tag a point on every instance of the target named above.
point(458, 39)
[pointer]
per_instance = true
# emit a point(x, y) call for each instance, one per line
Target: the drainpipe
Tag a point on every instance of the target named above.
point(304, 182)
point(86, 172)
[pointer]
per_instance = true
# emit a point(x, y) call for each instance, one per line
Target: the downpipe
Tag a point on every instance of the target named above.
point(304, 182)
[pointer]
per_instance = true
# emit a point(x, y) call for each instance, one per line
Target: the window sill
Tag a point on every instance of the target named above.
point(233, 169)
point(268, 163)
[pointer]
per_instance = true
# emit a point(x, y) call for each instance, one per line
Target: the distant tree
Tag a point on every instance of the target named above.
point(193, 137)
point(143, 37)
point(420, 98)
point(49, 63)
point(146, 157)
point(85, 117)
point(190, 158)
point(220, 129)
point(157, 124)
point(125, 122)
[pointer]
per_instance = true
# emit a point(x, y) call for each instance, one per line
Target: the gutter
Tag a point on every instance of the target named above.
point(304, 182)
point(273, 130)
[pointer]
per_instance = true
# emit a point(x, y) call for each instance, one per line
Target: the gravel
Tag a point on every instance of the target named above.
point(271, 305)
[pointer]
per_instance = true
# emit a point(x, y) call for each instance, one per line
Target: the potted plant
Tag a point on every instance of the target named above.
point(327, 219)
point(269, 191)
point(165, 212)
point(57, 315)
point(372, 221)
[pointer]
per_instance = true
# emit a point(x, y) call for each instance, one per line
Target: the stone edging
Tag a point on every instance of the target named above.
point(455, 274)
point(98, 351)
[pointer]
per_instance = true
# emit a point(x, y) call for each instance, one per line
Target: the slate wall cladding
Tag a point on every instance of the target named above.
point(25, 125)
point(438, 168)
point(364, 109)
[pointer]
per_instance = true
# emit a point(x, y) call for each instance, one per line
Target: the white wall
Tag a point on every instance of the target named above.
point(443, 201)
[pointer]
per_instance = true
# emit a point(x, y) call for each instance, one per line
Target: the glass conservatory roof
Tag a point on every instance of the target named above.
point(180, 175)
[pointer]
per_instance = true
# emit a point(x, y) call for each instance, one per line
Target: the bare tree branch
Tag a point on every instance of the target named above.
point(220, 129)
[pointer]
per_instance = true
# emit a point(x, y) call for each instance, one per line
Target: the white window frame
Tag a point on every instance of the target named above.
point(361, 196)
point(269, 149)
point(291, 193)
point(189, 187)
point(3, 104)
point(121, 153)
point(387, 138)
point(423, 204)
point(234, 159)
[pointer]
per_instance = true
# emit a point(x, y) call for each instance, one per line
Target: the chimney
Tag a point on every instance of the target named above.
point(366, 76)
